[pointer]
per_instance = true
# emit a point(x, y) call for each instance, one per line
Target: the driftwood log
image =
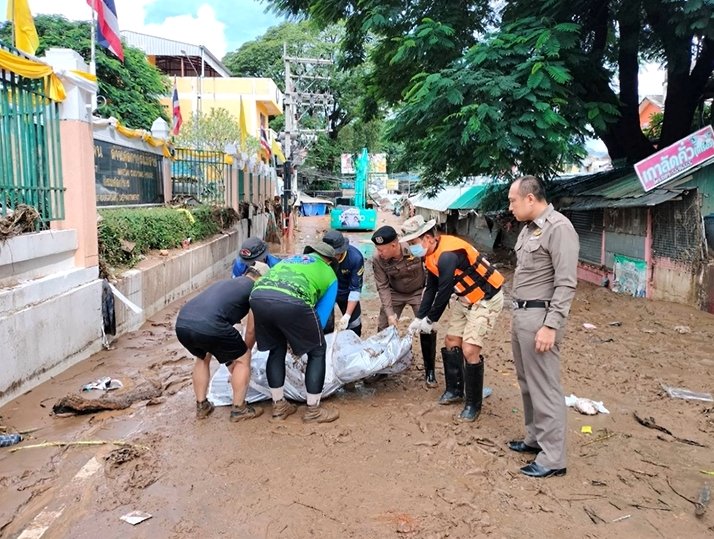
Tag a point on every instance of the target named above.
point(79, 404)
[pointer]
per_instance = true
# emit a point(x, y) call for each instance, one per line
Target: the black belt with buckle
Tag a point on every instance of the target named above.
point(530, 304)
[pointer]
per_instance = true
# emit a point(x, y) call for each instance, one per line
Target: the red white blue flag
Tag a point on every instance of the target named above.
point(177, 118)
point(264, 142)
point(108, 26)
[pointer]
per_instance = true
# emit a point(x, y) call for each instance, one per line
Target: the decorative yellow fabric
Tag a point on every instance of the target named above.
point(32, 69)
point(85, 75)
point(145, 136)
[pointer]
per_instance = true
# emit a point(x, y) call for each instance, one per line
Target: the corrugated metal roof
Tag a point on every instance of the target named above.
point(653, 198)
point(470, 200)
point(623, 192)
point(159, 46)
point(442, 201)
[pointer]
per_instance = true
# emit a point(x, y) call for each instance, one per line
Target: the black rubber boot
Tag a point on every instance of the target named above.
point(473, 394)
point(454, 374)
point(428, 351)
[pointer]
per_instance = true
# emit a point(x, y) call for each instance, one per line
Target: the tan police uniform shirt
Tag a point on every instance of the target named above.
point(547, 252)
point(405, 277)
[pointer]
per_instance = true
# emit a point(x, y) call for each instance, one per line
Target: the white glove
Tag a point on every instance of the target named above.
point(342, 323)
point(426, 326)
point(414, 326)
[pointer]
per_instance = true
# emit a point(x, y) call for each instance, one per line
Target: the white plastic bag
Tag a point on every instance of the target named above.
point(586, 406)
point(348, 359)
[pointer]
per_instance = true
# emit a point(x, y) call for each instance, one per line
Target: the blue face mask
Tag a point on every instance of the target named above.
point(417, 250)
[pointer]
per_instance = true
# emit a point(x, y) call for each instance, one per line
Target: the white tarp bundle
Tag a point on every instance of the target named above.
point(348, 358)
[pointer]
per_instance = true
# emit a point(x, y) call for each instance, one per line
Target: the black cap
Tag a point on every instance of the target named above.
point(383, 235)
point(251, 249)
point(337, 240)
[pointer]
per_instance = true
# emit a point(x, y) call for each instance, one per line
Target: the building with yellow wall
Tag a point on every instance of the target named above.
point(204, 83)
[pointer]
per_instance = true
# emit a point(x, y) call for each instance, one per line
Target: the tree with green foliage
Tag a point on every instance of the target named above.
point(213, 131)
point(131, 89)
point(499, 88)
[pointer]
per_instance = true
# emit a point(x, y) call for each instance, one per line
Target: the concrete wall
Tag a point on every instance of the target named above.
point(674, 281)
point(46, 326)
point(157, 283)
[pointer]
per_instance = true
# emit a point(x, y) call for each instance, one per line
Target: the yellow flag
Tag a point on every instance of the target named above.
point(26, 39)
point(243, 124)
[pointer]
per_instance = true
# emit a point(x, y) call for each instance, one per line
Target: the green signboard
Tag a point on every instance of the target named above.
point(126, 176)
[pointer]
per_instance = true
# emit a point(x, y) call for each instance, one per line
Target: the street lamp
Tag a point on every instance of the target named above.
point(198, 83)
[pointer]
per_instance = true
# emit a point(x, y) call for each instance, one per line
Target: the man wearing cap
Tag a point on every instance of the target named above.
point(291, 305)
point(456, 267)
point(543, 289)
point(252, 250)
point(350, 274)
point(205, 327)
point(400, 278)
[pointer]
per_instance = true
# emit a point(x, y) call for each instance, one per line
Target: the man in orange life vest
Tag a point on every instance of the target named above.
point(456, 267)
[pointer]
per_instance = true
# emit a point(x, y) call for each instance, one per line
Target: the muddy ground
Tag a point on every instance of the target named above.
point(395, 464)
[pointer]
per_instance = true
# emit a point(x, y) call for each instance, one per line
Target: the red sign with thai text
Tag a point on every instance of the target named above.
point(673, 160)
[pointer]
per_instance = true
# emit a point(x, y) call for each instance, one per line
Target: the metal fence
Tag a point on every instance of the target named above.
point(203, 174)
point(30, 162)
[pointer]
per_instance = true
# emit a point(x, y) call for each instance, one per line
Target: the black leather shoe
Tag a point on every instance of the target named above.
point(520, 446)
point(536, 470)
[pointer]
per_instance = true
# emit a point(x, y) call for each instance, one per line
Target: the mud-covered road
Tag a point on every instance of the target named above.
point(395, 464)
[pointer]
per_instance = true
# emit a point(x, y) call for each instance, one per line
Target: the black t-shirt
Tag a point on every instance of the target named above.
point(224, 302)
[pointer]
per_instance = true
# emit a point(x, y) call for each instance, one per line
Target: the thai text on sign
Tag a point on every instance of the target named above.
point(673, 160)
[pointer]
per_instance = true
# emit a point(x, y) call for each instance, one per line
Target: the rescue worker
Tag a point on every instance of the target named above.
point(456, 267)
point(291, 305)
point(205, 327)
point(252, 250)
point(543, 289)
point(350, 275)
point(400, 279)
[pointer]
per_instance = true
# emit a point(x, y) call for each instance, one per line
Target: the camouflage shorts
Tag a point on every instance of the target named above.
point(473, 324)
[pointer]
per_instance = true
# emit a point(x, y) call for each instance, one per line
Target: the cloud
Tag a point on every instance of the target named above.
point(202, 29)
point(221, 25)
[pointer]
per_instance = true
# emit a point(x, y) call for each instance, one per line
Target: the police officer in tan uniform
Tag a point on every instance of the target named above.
point(455, 267)
point(400, 279)
point(543, 288)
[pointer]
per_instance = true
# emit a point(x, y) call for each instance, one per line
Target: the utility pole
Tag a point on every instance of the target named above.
point(306, 93)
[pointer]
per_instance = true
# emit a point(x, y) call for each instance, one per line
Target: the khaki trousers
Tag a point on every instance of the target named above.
point(539, 379)
point(399, 301)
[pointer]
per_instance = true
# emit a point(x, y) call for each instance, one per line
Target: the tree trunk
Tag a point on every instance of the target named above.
point(684, 90)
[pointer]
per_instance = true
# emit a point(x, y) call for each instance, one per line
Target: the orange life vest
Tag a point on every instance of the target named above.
point(469, 283)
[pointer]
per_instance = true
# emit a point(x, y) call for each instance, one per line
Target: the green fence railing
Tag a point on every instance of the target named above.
point(203, 174)
point(30, 153)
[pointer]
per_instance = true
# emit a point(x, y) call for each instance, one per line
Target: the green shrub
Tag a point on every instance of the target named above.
point(127, 233)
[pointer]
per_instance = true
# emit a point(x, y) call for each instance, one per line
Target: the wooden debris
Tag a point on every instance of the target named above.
point(600, 438)
point(79, 443)
point(650, 423)
point(78, 404)
point(590, 512)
